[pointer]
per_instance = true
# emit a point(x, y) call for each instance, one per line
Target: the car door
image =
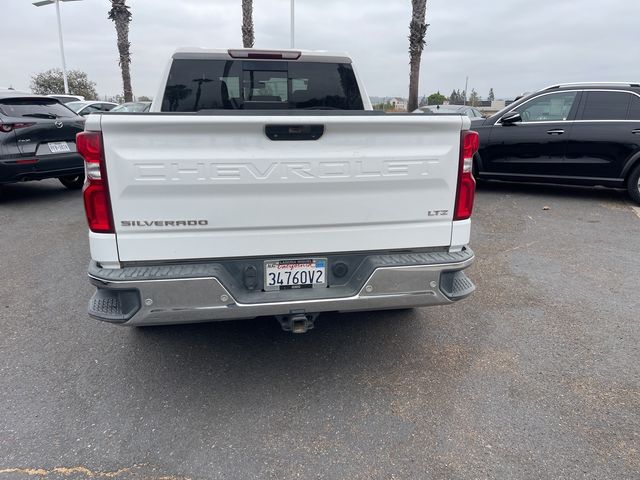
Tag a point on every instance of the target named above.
point(535, 146)
point(605, 135)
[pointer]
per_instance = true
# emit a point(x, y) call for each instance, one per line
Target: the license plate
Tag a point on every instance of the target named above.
point(59, 147)
point(292, 274)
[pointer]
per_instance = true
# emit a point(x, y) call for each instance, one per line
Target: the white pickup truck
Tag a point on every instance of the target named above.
point(262, 183)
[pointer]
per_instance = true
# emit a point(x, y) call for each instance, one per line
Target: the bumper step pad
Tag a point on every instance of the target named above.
point(116, 306)
point(456, 285)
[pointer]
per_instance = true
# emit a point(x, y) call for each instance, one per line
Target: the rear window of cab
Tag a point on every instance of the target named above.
point(209, 84)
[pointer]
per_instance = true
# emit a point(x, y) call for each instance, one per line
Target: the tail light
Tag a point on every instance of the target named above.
point(265, 54)
point(8, 127)
point(469, 143)
point(95, 192)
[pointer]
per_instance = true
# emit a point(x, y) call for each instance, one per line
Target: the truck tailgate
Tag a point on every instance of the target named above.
point(198, 186)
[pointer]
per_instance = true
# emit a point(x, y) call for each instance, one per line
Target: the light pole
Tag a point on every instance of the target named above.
point(293, 31)
point(42, 3)
point(466, 86)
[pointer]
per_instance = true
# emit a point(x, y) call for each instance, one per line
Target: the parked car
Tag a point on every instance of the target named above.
point(67, 98)
point(133, 107)
point(38, 140)
point(85, 108)
point(574, 133)
point(234, 210)
point(470, 112)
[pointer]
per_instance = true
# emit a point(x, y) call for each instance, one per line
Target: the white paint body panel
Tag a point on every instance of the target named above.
point(104, 249)
point(460, 234)
point(368, 184)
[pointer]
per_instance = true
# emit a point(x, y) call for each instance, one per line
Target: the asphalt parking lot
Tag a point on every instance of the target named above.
point(536, 376)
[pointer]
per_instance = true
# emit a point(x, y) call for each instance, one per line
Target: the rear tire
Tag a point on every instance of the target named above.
point(633, 184)
point(72, 182)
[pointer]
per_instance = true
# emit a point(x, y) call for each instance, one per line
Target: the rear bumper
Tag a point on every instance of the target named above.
point(175, 294)
point(40, 167)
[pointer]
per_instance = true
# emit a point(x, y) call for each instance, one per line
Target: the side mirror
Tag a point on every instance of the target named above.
point(510, 118)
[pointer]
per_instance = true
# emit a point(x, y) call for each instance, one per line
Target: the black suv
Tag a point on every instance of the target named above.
point(38, 140)
point(581, 134)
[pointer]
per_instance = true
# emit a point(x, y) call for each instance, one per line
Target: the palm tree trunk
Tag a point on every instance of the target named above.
point(417, 34)
point(121, 16)
point(247, 24)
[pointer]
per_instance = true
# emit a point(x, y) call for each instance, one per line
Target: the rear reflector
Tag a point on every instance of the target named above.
point(97, 205)
point(7, 127)
point(265, 54)
point(469, 143)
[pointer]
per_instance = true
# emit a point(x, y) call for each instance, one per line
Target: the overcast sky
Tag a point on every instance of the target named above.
point(510, 45)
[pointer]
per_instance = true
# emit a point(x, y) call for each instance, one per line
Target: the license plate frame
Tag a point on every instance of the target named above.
point(289, 280)
point(59, 147)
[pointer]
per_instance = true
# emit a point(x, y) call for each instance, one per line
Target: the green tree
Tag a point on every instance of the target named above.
point(248, 37)
point(436, 99)
point(456, 98)
point(417, 34)
point(144, 98)
point(491, 97)
point(474, 98)
point(51, 83)
point(121, 16)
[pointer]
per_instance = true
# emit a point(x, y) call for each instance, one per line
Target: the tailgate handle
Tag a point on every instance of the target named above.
point(293, 132)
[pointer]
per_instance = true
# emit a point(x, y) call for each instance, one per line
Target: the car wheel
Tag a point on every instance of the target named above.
point(633, 184)
point(72, 182)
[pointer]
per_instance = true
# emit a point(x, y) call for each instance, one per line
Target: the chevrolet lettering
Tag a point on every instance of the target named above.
point(201, 172)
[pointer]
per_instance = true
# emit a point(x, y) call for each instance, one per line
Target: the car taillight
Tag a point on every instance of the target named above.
point(469, 143)
point(7, 127)
point(95, 192)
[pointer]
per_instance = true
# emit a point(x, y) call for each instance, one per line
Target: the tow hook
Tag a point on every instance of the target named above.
point(298, 322)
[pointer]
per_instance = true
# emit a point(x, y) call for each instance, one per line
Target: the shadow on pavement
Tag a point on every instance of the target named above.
point(35, 191)
point(256, 358)
point(362, 335)
point(557, 191)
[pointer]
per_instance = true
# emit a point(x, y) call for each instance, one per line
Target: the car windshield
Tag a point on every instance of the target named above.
point(131, 107)
point(34, 107)
point(77, 106)
point(205, 84)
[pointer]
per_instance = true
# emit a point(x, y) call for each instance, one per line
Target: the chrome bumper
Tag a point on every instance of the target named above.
point(161, 301)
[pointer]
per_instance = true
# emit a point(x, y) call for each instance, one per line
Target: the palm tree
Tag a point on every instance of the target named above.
point(121, 16)
point(247, 24)
point(417, 33)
